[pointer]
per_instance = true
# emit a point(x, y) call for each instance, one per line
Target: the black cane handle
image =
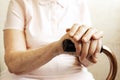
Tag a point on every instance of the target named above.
point(68, 46)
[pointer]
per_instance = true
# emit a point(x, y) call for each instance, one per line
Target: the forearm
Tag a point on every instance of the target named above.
point(24, 61)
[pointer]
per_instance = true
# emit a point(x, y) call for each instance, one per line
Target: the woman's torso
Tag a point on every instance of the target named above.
point(46, 22)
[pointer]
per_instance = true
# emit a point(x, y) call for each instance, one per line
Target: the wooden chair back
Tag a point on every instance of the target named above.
point(113, 63)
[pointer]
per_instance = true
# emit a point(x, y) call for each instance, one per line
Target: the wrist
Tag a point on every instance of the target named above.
point(58, 48)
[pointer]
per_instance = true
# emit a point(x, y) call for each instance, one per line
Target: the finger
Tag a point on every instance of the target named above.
point(80, 32)
point(78, 49)
point(92, 59)
point(73, 30)
point(98, 49)
point(88, 34)
point(84, 51)
point(98, 35)
point(92, 48)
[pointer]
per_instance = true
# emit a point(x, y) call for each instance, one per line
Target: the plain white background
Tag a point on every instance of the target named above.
point(105, 15)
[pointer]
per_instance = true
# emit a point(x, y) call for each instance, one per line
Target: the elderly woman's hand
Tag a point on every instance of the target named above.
point(87, 41)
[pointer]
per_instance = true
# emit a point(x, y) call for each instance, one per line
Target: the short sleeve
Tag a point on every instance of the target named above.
point(15, 15)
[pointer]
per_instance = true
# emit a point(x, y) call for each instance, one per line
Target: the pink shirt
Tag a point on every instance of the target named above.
point(45, 21)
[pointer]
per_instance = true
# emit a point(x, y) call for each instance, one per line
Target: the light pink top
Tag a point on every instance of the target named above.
point(45, 21)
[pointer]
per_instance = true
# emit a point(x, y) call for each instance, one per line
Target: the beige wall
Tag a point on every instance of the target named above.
point(3, 11)
point(104, 15)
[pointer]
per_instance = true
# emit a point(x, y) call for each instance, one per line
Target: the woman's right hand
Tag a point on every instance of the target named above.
point(87, 41)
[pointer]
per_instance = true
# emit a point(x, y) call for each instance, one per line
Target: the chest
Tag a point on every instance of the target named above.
point(48, 23)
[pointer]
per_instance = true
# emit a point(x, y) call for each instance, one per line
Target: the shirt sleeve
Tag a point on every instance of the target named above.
point(15, 15)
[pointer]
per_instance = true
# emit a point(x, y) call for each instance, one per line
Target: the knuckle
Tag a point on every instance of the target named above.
point(84, 27)
point(75, 26)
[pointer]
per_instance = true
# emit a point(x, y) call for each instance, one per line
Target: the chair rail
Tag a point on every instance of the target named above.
point(113, 63)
